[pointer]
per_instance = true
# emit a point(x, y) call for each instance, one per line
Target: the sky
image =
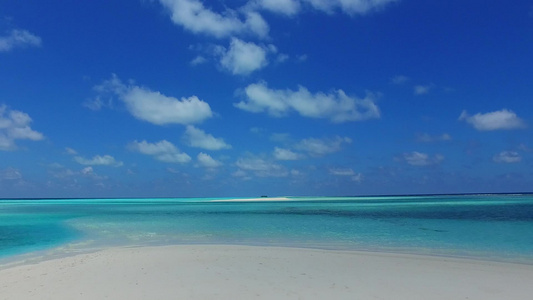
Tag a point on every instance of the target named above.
point(239, 98)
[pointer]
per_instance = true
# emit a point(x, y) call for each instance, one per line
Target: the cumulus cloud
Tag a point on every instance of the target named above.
point(221, 21)
point(497, 120)
point(241, 174)
point(195, 137)
point(195, 17)
point(89, 172)
point(336, 106)
point(15, 125)
point(198, 19)
point(284, 7)
point(357, 177)
point(155, 107)
point(350, 7)
point(422, 89)
point(205, 160)
point(399, 79)
point(341, 172)
point(286, 154)
point(70, 151)
point(98, 103)
point(507, 157)
point(302, 58)
point(257, 130)
point(426, 138)
point(97, 160)
point(163, 151)
point(18, 38)
point(282, 58)
point(60, 172)
point(198, 60)
point(243, 58)
point(10, 174)
point(422, 159)
point(280, 137)
point(261, 167)
point(320, 147)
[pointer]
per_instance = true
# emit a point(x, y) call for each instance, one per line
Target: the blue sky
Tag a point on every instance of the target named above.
point(251, 97)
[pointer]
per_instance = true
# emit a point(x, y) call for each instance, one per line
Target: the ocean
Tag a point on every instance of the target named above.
point(487, 227)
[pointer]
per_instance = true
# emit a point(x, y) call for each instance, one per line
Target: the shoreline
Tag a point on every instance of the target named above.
point(231, 272)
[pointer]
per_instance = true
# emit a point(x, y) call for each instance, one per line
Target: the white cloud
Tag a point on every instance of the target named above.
point(10, 174)
point(60, 172)
point(296, 172)
point(350, 7)
point(285, 7)
point(507, 157)
point(155, 107)
point(426, 138)
point(320, 147)
point(261, 167)
point(198, 60)
point(106, 160)
point(335, 106)
point(422, 89)
point(6, 143)
point(18, 38)
point(286, 154)
point(280, 137)
point(342, 172)
point(198, 138)
point(87, 170)
point(15, 125)
point(282, 57)
point(160, 109)
point(501, 119)
point(243, 58)
point(302, 58)
point(240, 173)
point(422, 159)
point(256, 24)
point(205, 160)
point(257, 130)
point(97, 103)
point(70, 151)
point(357, 177)
point(195, 17)
point(400, 79)
point(163, 151)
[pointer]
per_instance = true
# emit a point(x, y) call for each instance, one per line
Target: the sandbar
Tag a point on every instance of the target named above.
point(254, 272)
point(261, 199)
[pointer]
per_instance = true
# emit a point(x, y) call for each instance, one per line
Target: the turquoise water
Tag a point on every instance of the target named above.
point(496, 227)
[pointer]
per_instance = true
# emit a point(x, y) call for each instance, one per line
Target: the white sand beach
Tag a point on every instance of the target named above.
point(247, 272)
point(263, 199)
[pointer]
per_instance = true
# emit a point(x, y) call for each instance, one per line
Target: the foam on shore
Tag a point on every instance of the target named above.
point(246, 272)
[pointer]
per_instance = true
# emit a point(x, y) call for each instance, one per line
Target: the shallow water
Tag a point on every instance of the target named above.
point(495, 227)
